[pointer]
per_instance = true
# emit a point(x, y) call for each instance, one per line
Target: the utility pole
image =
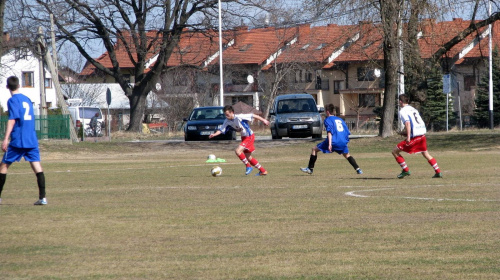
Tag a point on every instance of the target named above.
point(41, 82)
point(55, 80)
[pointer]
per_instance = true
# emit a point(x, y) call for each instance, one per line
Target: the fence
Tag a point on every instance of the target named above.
point(48, 127)
point(366, 125)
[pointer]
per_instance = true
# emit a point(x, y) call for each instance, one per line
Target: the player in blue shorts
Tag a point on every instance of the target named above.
point(23, 141)
point(338, 137)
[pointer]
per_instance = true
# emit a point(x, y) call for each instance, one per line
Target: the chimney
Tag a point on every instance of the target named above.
point(6, 36)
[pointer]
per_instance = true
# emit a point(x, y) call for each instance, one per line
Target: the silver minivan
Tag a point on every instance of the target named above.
point(81, 115)
point(296, 116)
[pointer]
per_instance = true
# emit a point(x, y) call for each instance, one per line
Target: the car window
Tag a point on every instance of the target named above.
point(89, 112)
point(203, 114)
point(297, 105)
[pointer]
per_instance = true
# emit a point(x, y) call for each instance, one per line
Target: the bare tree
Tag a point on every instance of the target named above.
point(391, 14)
point(147, 31)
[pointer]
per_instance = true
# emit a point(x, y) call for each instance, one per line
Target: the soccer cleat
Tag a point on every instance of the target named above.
point(261, 173)
point(404, 174)
point(438, 175)
point(306, 170)
point(249, 170)
point(42, 201)
point(359, 171)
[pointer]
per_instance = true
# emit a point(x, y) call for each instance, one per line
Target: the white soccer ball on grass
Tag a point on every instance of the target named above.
point(216, 171)
point(211, 157)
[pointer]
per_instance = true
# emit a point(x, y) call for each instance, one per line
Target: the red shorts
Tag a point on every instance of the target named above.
point(247, 142)
point(417, 144)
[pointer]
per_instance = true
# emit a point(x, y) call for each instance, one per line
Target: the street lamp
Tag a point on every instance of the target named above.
point(221, 73)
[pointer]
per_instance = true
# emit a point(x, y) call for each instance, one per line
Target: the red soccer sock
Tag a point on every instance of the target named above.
point(244, 159)
point(256, 163)
point(434, 165)
point(402, 163)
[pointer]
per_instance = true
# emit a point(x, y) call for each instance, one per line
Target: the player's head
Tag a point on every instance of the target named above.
point(229, 112)
point(330, 108)
point(13, 83)
point(404, 99)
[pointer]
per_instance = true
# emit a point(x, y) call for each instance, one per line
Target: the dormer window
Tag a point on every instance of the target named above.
point(245, 47)
point(305, 47)
point(320, 46)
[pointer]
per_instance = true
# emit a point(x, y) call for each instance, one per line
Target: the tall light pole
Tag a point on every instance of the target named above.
point(490, 59)
point(221, 73)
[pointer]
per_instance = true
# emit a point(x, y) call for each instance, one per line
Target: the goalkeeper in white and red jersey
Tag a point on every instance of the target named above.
point(241, 123)
point(415, 141)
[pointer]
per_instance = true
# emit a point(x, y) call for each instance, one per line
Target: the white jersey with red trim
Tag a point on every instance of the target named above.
point(240, 123)
point(410, 114)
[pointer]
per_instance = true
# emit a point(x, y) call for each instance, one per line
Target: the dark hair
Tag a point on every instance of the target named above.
point(330, 108)
point(12, 83)
point(404, 98)
point(228, 108)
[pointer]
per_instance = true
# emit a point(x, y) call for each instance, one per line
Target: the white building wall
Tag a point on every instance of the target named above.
point(12, 67)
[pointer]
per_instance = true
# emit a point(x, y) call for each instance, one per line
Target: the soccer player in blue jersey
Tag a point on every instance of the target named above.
point(337, 139)
point(240, 123)
point(23, 141)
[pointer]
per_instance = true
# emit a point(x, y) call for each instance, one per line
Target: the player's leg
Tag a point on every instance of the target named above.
point(33, 157)
point(312, 161)
point(253, 161)
point(432, 161)
point(396, 152)
point(40, 179)
point(3, 177)
point(353, 163)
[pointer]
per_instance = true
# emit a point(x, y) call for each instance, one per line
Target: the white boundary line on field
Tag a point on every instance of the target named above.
point(355, 194)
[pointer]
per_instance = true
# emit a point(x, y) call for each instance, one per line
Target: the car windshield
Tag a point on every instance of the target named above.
point(207, 114)
point(89, 112)
point(297, 105)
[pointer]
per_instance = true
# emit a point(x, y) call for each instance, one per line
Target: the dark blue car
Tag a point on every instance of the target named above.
point(204, 121)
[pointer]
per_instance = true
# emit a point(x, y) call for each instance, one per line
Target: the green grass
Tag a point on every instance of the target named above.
point(152, 211)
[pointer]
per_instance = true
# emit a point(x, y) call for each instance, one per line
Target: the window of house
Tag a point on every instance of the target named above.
point(28, 79)
point(298, 76)
point(305, 47)
point(320, 46)
point(309, 76)
point(469, 81)
point(337, 87)
point(244, 48)
point(367, 100)
point(366, 74)
point(48, 83)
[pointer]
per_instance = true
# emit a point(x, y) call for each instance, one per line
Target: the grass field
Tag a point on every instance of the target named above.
point(152, 211)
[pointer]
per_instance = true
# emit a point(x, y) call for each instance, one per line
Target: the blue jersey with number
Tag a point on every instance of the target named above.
point(23, 134)
point(340, 133)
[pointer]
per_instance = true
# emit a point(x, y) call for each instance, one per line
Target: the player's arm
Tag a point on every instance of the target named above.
point(329, 136)
point(264, 121)
point(8, 131)
point(218, 132)
point(408, 131)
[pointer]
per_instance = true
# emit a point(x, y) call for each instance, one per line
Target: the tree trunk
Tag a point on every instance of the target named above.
point(390, 17)
point(137, 108)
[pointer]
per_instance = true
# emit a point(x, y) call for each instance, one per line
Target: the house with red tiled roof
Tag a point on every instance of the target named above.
point(342, 65)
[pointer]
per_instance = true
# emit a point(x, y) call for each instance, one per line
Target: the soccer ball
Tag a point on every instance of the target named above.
point(211, 157)
point(216, 171)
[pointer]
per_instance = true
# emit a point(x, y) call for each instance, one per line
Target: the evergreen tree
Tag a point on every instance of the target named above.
point(434, 107)
point(482, 111)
